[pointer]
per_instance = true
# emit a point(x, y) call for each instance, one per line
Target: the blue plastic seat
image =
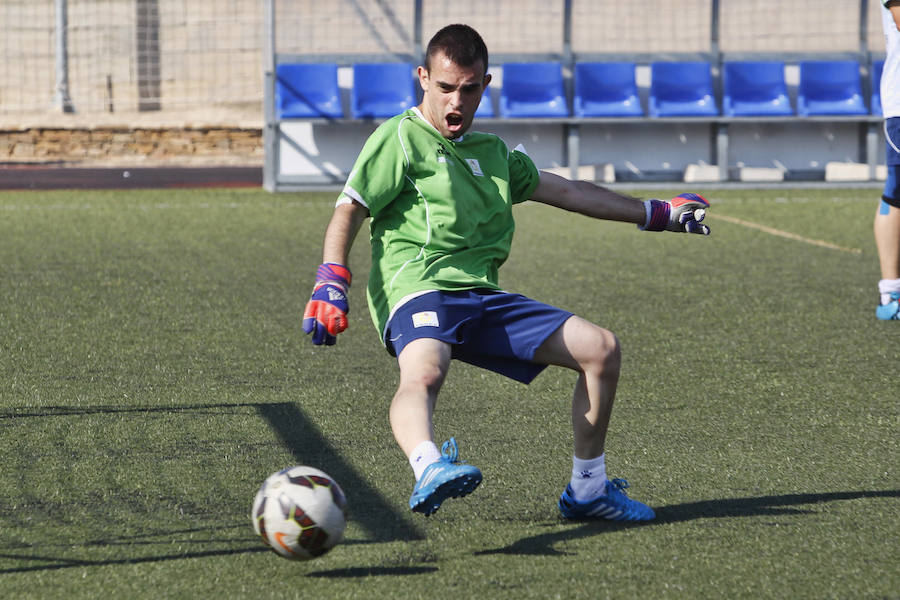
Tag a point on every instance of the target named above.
point(830, 88)
point(382, 90)
point(755, 89)
point(606, 89)
point(486, 108)
point(875, 79)
point(307, 90)
point(681, 89)
point(533, 90)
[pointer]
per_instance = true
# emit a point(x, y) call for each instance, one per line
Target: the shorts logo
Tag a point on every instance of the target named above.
point(426, 318)
point(476, 168)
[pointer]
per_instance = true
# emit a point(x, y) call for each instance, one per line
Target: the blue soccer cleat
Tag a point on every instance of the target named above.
point(891, 310)
point(447, 478)
point(614, 505)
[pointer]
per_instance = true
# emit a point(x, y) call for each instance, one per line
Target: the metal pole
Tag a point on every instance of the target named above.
point(864, 29)
point(714, 33)
point(63, 101)
point(270, 138)
point(722, 142)
point(868, 144)
point(721, 131)
point(567, 33)
point(573, 135)
point(418, 44)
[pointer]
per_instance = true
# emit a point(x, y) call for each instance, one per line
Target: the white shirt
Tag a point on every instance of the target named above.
point(890, 77)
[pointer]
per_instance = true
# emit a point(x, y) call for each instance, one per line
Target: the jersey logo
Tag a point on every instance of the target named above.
point(476, 168)
point(441, 154)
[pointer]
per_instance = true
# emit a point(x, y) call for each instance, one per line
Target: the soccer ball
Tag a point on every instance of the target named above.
point(300, 512)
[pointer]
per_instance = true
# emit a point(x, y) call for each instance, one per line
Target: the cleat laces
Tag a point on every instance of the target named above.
point(450, 451)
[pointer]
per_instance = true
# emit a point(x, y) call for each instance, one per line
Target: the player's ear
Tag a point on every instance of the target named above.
point(422, 73)
point(487, 80)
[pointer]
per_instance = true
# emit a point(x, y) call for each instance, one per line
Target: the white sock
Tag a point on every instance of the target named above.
point(423, 455)
point(886, 286)
point(588, 477)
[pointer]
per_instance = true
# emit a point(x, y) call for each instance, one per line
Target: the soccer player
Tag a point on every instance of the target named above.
point(440, 200)
point(887, 219)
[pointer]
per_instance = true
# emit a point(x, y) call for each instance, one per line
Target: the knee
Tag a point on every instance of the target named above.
point(425, 378)
point(606, 358)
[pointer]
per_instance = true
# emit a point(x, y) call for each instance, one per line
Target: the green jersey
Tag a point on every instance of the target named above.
point(441, 209)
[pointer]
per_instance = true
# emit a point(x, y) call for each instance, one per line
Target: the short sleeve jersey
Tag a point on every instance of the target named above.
point(441, 209)
point(890, 77)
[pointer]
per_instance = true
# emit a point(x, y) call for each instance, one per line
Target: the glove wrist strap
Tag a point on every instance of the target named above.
point(657, 215)
point(333, 273)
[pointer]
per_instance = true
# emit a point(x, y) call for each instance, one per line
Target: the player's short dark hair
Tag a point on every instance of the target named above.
point(460, 43)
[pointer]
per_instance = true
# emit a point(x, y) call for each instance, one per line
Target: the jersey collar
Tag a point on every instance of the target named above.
point(419, 114)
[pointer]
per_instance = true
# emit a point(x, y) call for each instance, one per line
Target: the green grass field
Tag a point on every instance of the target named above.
point(153, 373)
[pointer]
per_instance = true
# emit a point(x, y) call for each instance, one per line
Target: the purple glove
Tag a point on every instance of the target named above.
point(683, 214)
point(326, 312)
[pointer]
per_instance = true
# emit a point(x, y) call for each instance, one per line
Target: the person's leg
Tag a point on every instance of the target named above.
point(594, 353)
point(887, 239)
point(424, 363)
point(423, 366)
point(887, 227)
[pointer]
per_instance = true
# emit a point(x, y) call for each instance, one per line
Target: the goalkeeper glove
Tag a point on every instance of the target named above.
point(326, 312)
point(683, 214)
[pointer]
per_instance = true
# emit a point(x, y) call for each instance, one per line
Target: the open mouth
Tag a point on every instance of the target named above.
point(454, 121)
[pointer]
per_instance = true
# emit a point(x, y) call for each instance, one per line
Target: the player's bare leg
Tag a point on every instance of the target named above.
point(439, 475)
point(423, 366)
point(594, 353)
point(887, 240)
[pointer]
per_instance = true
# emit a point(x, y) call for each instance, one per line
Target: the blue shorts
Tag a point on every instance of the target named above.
point(494, 330)
point(891, 194)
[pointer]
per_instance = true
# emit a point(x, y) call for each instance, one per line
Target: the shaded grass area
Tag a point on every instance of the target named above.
point(153, 373)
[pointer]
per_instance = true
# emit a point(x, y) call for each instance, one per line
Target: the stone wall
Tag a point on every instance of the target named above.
point(122, 146)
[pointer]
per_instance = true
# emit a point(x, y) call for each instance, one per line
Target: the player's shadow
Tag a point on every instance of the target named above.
point(543, 544)
point(368, 507)
point(302, 438)
point(78, 411)
point(307, 445)
point(55, 563)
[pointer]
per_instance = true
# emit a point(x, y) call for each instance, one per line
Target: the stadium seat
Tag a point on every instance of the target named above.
point(533, 90)
point(486, 108)
point(382, 90)
point(307, 90)
point(681, 89)
point(755, 89)
point(606, 89)
point(830, 88)
point(875, 79)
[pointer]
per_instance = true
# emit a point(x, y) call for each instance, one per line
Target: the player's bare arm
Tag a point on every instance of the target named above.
point(326, 312)
point(588, 199)
point(682, 214)
point(342, 230)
